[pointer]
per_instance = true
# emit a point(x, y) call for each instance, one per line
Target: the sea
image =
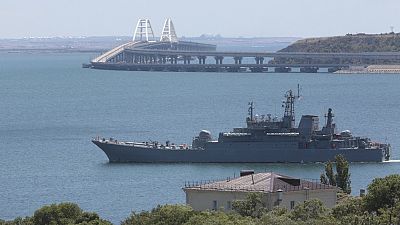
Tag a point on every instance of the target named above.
point(51, 108)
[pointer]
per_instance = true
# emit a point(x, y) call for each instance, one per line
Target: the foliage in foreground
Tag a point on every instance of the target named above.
point(380, 205)
point(252, 211)
point(59, 214)
point(341, 178)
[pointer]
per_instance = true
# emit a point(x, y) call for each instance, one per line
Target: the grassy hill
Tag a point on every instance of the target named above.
point(350, 43)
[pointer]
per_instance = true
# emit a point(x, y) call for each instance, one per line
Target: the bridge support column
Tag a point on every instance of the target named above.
point(218, 59)
point(202, 59)
point(128, 58)
point(186, 59)
point(259, 60)
point(123, 57)
point(164, 60)
point(238, 60)
point(174, 59)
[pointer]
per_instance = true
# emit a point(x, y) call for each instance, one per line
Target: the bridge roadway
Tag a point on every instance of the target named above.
point(210, 67)
point(364, 55)
point(186, 56)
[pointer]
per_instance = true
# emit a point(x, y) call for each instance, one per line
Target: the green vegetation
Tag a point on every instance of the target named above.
point(351, 43)
point(61, 214)
point(253, 206)
point(383, 194)
point(379, 206)
point(342, 177)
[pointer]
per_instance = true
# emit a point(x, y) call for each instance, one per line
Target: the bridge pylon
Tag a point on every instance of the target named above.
point(144, 31)
point(168, 33)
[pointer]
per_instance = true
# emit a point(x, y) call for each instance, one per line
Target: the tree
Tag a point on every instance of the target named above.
point(342, 177)
point(383, 193)
point(219, 218)
point(161, 215)
point(329, 177)
point(309, 210)
point(59, 214)
point(64, 213)
point(252, 206)
point(277, 216)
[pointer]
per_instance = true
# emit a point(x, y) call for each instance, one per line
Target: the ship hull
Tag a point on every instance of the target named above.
point(245, 152)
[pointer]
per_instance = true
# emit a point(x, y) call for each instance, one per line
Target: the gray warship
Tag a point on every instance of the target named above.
point(264, 140)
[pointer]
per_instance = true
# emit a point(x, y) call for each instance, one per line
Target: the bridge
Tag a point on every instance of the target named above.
point(145, 53)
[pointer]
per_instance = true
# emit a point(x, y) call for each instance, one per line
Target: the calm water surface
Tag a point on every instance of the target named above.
point(50, 108)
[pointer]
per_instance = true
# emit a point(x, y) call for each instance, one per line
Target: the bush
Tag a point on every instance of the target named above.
point(383, 193)
point(161, 215)
point(309, 210)
point(252, 206)
point(61, 214)
point(219, 218)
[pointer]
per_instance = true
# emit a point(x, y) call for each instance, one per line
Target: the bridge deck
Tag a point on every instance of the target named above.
point(374, 55)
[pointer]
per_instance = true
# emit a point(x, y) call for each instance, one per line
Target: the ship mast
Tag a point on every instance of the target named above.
point(329, 127)
point(329, 120)
point(251, 110)
point(289, 116)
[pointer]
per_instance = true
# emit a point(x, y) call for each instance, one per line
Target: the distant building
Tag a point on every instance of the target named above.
point(277, 190)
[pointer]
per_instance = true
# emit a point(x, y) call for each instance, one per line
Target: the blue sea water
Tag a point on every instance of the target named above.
point(50, 108)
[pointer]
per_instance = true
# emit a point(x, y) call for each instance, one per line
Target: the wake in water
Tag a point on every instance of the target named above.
point(393, 161)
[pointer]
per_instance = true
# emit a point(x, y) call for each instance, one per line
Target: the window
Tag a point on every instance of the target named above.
point(228, 205)
point(291, 204)
point(214, 207)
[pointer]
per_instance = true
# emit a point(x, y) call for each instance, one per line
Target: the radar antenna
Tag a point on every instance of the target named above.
point(298, 92)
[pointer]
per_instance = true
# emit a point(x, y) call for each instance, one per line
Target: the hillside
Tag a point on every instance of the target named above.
point(349, 43)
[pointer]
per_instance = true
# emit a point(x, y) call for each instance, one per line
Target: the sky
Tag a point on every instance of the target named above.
point(229, 18)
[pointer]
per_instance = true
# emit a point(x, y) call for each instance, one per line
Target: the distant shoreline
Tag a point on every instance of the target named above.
point(49, 50)
point(103, 44)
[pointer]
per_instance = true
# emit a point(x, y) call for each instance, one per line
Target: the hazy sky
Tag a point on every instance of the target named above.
point(230, 18)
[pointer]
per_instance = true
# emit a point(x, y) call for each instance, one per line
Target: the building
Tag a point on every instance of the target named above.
point(276, 189)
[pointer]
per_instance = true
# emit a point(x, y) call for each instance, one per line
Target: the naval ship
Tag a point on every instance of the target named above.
point(265, 139)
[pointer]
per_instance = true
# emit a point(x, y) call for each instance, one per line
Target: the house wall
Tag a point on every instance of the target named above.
point(204, 199)
point(201, 200)
point(327, 196)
